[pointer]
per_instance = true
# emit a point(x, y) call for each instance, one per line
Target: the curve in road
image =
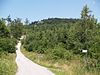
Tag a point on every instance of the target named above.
point(27, 67)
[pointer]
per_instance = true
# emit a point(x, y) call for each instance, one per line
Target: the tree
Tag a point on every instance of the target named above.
point(8, 20)
point(4, 31)
point(86, 28)
point(26, 21)
point(16, 28)
point(7, 44)
point(85, 12)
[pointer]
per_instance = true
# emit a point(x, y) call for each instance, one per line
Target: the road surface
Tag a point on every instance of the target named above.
point(27, 67)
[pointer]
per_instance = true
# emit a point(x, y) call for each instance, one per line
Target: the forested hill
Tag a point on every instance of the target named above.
point(55, 21)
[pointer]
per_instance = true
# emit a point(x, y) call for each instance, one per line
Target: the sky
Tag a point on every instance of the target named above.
point(36, 10)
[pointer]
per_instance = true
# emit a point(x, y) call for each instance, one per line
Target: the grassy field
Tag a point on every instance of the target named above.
point(7, 64)
point(60, 67)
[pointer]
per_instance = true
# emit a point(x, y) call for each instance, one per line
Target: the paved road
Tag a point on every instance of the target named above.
point(27, 67)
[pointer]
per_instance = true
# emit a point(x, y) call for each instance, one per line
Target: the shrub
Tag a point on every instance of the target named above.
point(7, 45)
point(59, 53)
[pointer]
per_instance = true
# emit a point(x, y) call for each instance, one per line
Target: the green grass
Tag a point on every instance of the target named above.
point(7, 64)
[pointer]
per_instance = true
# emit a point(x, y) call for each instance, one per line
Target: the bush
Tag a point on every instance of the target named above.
point(7, 45)
point(59, 53)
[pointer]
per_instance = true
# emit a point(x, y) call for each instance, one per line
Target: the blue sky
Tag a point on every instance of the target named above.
point(42, 9)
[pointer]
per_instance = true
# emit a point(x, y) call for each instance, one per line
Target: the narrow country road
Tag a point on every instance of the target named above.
point(27, 67)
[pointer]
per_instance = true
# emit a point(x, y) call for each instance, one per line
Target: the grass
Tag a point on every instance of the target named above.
point(7, 64)
point(60, 67)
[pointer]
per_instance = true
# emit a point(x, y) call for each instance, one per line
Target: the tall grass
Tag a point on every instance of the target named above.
point(7, 64)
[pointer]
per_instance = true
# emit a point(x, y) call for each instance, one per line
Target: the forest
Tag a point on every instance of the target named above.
point(56, 38)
